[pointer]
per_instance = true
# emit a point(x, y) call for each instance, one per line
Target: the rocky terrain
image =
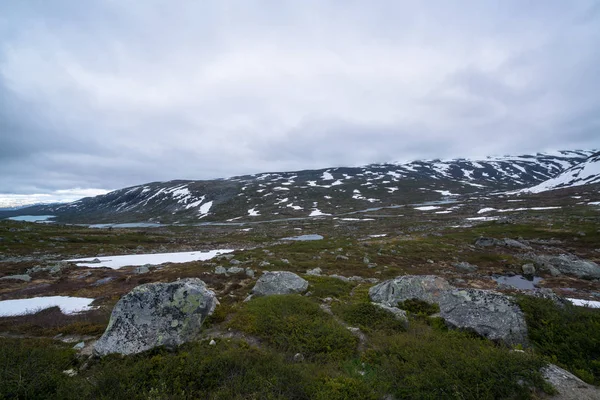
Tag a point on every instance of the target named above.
point(476, 296)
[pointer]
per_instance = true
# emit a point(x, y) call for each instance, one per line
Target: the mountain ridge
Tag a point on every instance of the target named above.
point(307, 193)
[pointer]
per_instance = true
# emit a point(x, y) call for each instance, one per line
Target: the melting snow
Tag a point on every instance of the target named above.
point(427, 208)
point(205, 208)
point(253, 213)
point(327, 176)
point(68, 305)
point(316, 213)
point(482, 218)
point(116, 262)
point(485, 210)
point(585, 303)
point(445, 193)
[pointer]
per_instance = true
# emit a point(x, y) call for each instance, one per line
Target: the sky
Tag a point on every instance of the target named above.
point(104, 94)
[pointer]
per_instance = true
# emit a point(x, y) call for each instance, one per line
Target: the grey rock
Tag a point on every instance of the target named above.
point(398, 314)
point(220, 270)
point(516, 244)
point(279, 282)
point(263, 264)
point(465, 267)
point(569, 386)
point(235, 270)
point(285, 261)
point(298, 357)
point(430, 262)
point(94, 261)
point(427, 288)
point(249, 272)
point(340, 257)
point(212, 342)
point(315, 271)
point(157, 314)
point(226, 257)
point(23, 277)
point(546, 293)
point(340, 277)
point(141, 270)
point(366, 260)
point(235, 262)
point(528, 269)
point(570, 265)
point(487, 242)
point(103, 281)
point(490, 314)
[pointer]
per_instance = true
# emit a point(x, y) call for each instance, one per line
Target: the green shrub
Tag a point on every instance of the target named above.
point(329, 287)
point(569, 336)
point(32, 369)
point(295, 324)
point(368, 317)
point(419, 307)
point(428, 364)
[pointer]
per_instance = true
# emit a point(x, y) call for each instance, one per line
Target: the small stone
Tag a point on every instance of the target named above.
point(212, 342)
point(430, 262)
point(70, 372)
point(235, 270)
point(234, 262)
point(340, 257)
point(528, 269)
point(298, 357)
point(263, 264)
point(141, 270)
point(285, 261)
point(314, 272)
point(220, 270)
point(366, 260)
point(249, 272)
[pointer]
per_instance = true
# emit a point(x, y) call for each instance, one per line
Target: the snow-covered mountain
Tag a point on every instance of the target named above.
point(585, 173)
point(314, 192)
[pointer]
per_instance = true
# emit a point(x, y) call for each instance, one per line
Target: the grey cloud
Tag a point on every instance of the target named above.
point(106, 94)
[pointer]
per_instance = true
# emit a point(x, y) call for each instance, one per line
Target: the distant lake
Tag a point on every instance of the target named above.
point(304, 237)
point(32, 218)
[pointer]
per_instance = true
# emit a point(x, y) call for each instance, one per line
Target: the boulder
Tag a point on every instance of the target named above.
point(144, 269)
point(465, 267)
point(528, 269)
point(235, 270)
point(487, 242)
point(515, 243)
point(569, 264)
point(488, 313)
point(24, 278)
point(157, 314)
point(314, 272)
point(569, 386)
point(279, 282)
point(427, 288)
point(220, 270)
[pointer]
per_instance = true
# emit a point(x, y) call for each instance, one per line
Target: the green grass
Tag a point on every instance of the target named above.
point(295, 324)
point(329, 287)
point(569, 336)
point(419, 307)
point(368, 317)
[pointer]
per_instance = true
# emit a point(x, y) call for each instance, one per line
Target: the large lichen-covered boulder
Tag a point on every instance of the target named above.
point(569, 264)
point(488, 313)
point(279, 282)
point(427, 288)
point(157, 314)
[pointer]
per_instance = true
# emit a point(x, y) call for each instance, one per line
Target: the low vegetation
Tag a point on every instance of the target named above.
point(567, 335)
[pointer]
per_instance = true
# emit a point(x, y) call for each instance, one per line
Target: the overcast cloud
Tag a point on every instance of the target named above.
point(110, 93)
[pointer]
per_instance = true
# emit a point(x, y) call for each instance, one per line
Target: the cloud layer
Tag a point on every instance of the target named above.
point(107, 93)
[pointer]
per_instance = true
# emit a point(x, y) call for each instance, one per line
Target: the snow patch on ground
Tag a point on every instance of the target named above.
point(585, 303)
point(116, 262)
point(485, 210)
point(427, 208)
point(316, 213)
point(327, 176)
point(253, 212)
point(68, 305)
